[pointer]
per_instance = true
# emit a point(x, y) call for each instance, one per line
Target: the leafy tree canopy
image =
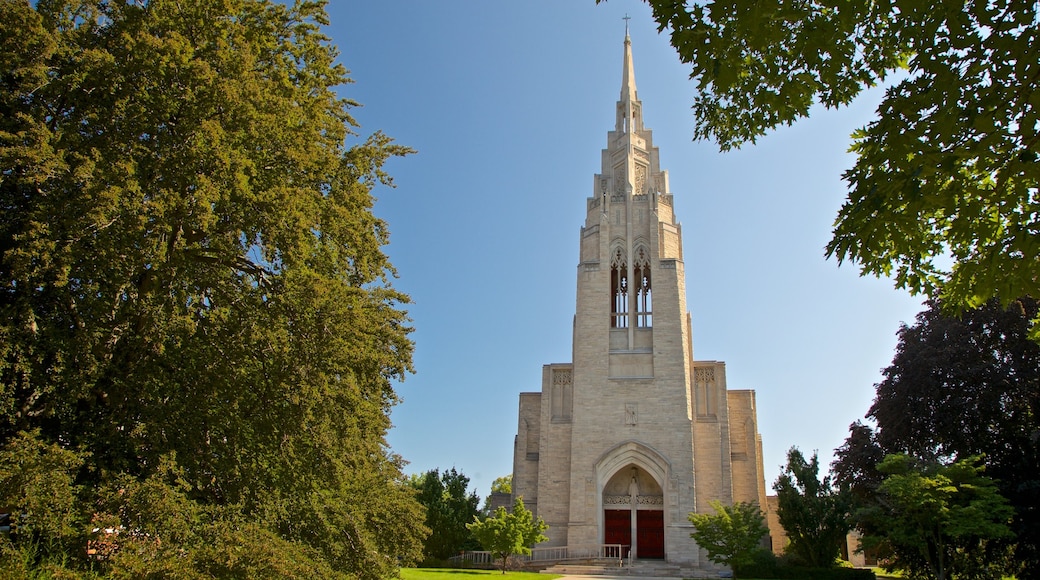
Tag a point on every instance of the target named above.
point(197, 327)
point(731, 535)
point(509, 532)
point(449, 507)
point(935, 520)
point(814, 513)
point(949, 168)
point(961, 386)
point(502, 484)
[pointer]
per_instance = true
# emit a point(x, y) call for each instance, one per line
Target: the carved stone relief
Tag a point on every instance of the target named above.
point(631, 413)
point(627, 500)
point(561, 377)
point(640, 186)
point(704, 374)
point(704, 386)
point(618, 257)
point(642, 255)
point(562, 395)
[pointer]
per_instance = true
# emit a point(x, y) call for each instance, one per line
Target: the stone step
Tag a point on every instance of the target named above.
point(584, 570)
point(636, 570)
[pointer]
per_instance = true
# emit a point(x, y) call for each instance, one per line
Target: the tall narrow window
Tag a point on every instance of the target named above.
point(644, 298)
point(618, 290)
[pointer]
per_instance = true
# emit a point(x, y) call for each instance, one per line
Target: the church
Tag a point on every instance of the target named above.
point(633, 434)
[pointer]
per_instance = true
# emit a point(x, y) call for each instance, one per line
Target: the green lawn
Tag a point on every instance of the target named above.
point(469, 574)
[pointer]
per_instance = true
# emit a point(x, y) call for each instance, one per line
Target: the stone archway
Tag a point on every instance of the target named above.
point(632, 499)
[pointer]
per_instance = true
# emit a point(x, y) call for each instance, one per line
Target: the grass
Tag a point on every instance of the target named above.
point(469, 574)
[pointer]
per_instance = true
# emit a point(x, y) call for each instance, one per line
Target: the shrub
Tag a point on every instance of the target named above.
point(766, 565)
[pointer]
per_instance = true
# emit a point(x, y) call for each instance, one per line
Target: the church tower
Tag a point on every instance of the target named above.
point(634, 434)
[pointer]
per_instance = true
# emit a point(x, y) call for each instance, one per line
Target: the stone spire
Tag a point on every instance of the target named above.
point(634, 434)
point(628, 117)
point(628, 77)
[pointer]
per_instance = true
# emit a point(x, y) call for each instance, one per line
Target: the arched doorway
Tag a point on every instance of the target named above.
point(633, 513)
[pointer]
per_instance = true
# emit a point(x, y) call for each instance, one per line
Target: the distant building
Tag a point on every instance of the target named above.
point(499, 499)
point(634, 434)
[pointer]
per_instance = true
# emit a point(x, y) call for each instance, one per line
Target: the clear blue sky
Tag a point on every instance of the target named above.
point(508, 105)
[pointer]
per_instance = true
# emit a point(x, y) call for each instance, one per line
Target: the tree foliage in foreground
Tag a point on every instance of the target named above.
point(961, 386)
point(731, 535)
point(936, 521)
point(509, 532)
point(197, 327)
point(950, 166)
point(450, 506)
point(814, 513)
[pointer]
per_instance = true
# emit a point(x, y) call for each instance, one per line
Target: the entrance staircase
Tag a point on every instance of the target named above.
point(637, 569)
point(595, 560)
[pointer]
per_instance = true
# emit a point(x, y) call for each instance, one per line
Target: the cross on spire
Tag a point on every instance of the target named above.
point(626, 18)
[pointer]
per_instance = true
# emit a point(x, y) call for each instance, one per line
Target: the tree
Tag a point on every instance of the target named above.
point(194, 300)
point(961, 386)
point(38, 478)
point(507, 533)
point(449, 508)
point(732, 534)
point(935, 520)
point(948, 169)
point(502, 484)
point(814, 513)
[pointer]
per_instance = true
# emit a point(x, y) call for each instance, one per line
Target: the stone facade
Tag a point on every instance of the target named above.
point(624, 442)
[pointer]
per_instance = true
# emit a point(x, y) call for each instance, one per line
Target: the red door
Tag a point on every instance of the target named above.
point(650, 534)
point(618, 530)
